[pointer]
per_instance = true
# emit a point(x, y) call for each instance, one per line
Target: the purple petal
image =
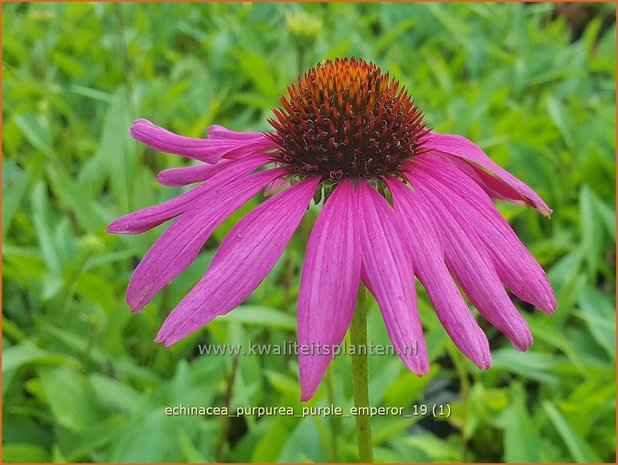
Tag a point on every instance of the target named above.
point(515, 265)
point(147, 218)
point(206, 150)
point(245, 257)
point(428, 259)
point(274, 186)
point(175, 177)
point(472, 266)
point(329, 284)
point(177, 247)
point(219, 132)
point(463, 148)
point(494, 187)
point(387, 271)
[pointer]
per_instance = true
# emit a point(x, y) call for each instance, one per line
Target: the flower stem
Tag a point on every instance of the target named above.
point(360, 379)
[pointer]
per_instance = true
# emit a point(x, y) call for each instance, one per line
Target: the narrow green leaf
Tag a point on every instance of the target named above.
point(559, 116)
point(14, 186)
point(600, 317)
point(580, 450)
point(261, 316)
point(40, 217)
point(26, 353)
point(520, 438)
point(34, 132)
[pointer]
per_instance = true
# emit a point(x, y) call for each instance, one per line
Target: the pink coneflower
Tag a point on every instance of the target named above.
point(401, 200)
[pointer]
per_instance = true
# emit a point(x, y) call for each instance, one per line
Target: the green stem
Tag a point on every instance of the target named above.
point(360, 379)
point(225, 419)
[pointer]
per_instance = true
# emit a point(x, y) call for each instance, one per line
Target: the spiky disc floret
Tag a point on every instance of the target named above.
point(346, 119)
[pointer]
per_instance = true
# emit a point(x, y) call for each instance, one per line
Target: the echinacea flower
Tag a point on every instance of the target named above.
point(351, 131)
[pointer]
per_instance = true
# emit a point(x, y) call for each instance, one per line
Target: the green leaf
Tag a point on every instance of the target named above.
point(531, 365)
point(261, 316)
point(303, 442)
point(577, 446)
point(82, 445)
point(112, 393)
point(27, 352)
point(70, 397)
point(552, 335)
point(438, 449)
point(561, 120)
point(14, 186)
point(272, 440)
point(144, 441)
point(40, 209)
point(117, 150)
point(34, 132)
point(24, 453)
point(91, 93)
point(257, 68)
point(190, 452)
point(608, 216)
point(592, 238)
point(84, 208)
point(600, 317)
point(520, 436)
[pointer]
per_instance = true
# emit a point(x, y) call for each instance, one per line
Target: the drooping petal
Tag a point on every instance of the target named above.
point(515, 265)
point(472, 267)
point(428, 260)
point(175, 177)
point(217, 131)
point(328, 284)
point(387, 271)
point(494, 187)
point(245, 257)
point(177, 247)
point(206, 150)
point(149, 217)
point(463, 148)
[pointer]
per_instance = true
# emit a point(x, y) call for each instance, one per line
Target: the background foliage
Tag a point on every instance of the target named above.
point(82, 379)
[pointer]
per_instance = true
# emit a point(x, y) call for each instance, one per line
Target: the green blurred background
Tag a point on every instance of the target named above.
point(83, 380)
